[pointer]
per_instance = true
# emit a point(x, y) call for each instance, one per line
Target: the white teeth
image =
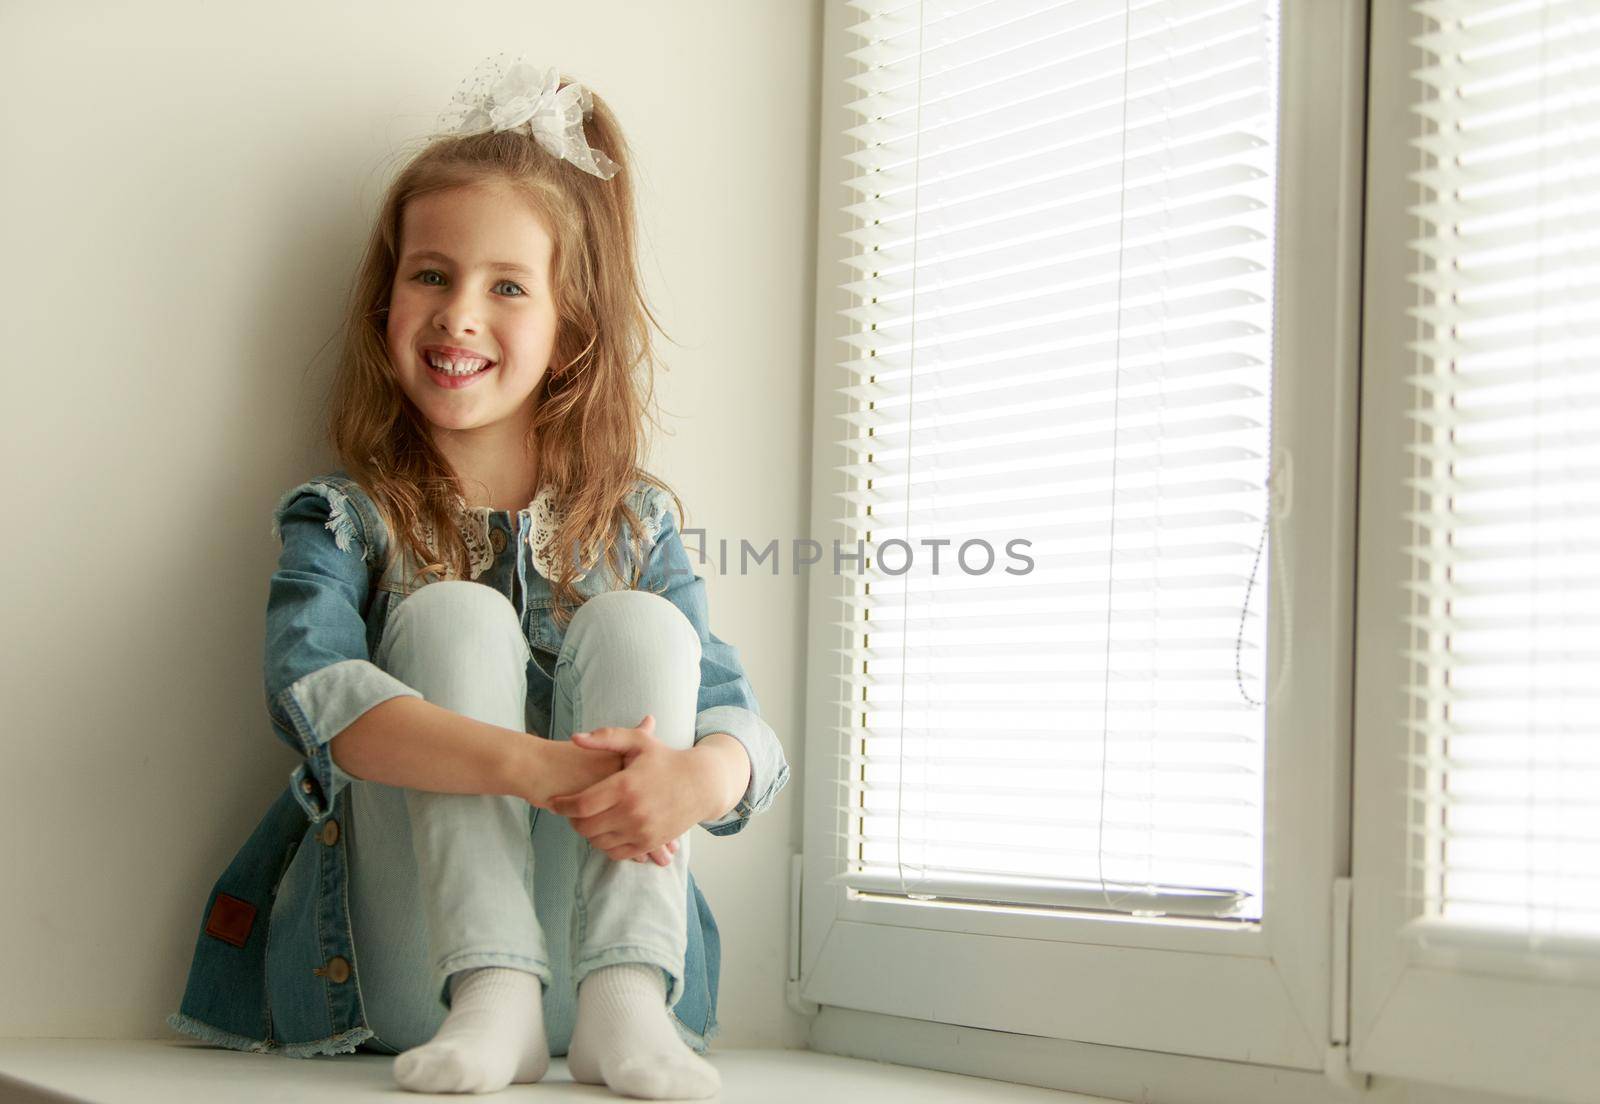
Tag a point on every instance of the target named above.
point(452, 367)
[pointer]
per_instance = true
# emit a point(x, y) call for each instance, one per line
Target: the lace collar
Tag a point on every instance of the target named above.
point(546, 517)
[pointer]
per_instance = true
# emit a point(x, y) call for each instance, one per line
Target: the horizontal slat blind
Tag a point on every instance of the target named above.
point(1061, 335)
point(1505, 717)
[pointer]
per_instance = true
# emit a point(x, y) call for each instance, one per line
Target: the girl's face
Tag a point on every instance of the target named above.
point(472, 289)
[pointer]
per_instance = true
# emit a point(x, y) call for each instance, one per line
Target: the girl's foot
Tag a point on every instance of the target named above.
point(625, 1040)
point(493, 1035)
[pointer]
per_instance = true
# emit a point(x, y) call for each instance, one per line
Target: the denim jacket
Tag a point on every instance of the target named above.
point(274, 966)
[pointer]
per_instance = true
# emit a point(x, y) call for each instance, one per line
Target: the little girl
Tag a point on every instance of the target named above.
point(505, 744)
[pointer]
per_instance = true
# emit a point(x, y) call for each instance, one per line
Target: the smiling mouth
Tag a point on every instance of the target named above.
point(456, 370)
point(458, 367)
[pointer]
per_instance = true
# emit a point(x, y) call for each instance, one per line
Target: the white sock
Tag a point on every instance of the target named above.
point(625, 1040)
point(493, 1035)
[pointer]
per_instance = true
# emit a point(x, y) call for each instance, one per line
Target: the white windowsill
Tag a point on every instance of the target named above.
point(161, 1071)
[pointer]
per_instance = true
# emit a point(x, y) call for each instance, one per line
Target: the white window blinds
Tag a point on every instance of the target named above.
point(1061, 335)
point(1505, 744)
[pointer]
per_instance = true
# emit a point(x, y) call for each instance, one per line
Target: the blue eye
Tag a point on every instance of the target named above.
point(518, 294)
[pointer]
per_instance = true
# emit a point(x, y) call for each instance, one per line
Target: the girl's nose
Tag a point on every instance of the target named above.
point(456, 317)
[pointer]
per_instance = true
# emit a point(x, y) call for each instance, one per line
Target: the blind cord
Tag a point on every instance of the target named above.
point(911, 391)
point(1279, 487)
point(1116, 398)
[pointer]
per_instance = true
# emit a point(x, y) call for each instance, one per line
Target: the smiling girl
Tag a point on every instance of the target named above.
point(485, 638)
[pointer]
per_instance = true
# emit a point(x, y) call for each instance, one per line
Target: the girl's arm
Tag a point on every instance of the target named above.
point(317, 673)
point(415, 744)
point(726, 768)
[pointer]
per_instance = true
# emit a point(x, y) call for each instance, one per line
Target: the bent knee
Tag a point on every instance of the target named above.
point(634, 629)
point(456, 615)
point(458, 598)
point(634, 613)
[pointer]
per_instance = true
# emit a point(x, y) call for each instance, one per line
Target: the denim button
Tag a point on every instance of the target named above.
point(337, 970)
point(497, 540)
point(330, 832)
point(306, 785)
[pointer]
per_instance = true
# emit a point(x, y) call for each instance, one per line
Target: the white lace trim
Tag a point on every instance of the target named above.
point(474, 526)
point(546, 518)
point(652, 528)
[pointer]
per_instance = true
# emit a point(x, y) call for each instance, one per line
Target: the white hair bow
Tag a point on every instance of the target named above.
point(500, 98)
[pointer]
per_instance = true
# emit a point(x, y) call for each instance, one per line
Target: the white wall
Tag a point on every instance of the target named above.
point(186, 188)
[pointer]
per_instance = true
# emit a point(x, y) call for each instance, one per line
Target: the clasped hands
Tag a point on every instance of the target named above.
point(626, 792)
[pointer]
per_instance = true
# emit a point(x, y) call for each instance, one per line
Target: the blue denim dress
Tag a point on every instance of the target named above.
point(280, 976)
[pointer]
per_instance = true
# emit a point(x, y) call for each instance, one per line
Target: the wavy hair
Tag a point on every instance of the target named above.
point(591, 405)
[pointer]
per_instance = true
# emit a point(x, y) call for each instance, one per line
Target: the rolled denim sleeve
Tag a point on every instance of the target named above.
point(727, 702)
point(319, 677)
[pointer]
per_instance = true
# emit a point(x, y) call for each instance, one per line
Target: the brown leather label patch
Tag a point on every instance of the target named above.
point(231, 920)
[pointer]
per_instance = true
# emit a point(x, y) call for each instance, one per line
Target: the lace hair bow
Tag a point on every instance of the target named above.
point(501, 97)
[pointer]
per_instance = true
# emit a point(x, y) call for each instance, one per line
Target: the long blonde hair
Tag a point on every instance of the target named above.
point(591, 406)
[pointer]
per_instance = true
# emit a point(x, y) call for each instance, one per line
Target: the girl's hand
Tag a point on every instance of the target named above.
point(642, 809)
point(662, 855)
point(553, 767)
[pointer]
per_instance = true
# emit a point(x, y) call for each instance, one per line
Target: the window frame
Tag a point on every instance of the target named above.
point(1214, 989)
point(1459, 1015)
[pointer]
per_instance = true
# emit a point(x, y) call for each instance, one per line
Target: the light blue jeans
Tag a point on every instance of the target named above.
point(446, 882)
